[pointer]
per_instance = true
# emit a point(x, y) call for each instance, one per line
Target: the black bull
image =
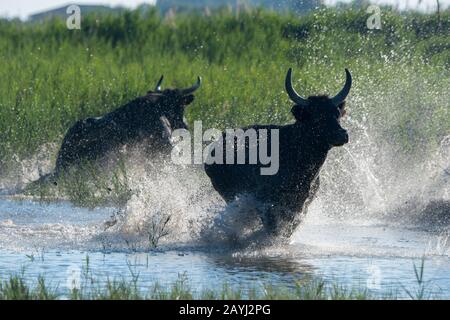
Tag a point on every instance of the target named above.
point(147, 120)
point(303, 148)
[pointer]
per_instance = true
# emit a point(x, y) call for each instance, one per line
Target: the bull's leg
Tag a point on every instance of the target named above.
point(223, 191)
point(281, 220)
point(269, 221)
point(289, 216)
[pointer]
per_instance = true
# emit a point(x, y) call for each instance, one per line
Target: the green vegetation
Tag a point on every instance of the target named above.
point(15, 288)
point(51, 76)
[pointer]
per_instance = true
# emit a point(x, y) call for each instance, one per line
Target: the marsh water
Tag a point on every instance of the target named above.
point(54, 240)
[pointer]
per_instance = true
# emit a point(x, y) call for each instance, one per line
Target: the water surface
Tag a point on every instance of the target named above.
point(54, 241)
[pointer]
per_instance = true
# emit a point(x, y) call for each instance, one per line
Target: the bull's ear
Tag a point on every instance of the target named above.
point(187, 99)
point(300, 113)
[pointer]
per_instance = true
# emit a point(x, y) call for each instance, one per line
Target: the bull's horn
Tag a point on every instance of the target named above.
point(291, 91)
point(158, 85)
point(340, 97)
point(192, 89)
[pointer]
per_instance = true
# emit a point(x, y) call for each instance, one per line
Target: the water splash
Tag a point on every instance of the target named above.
point(23, 171)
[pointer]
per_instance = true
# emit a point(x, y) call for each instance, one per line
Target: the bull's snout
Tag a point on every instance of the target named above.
point(340, 138)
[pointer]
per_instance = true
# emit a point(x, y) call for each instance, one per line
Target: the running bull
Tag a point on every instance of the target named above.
point(303, 147)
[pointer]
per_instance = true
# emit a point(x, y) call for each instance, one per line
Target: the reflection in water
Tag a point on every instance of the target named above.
point(278, 264)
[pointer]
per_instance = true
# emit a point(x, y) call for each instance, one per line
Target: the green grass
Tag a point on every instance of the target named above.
point(50, 76)
point(16, 288)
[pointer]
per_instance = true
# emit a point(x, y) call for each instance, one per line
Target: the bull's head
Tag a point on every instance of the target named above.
point(321, 114)
point(172, 102)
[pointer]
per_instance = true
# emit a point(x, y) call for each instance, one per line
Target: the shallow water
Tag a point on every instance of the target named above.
point(53, 240)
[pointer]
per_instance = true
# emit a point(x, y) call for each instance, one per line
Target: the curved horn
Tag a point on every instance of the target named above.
point(158, 85)
point(291, 91)
point(192, 89)
point(340, 97)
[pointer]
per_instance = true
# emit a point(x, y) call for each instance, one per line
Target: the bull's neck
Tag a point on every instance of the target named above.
point(312, 141)
point(314, 147)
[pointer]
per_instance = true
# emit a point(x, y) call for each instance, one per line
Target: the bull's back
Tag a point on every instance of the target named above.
point(85, 140)
point(94, 138)
point(230, 180)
